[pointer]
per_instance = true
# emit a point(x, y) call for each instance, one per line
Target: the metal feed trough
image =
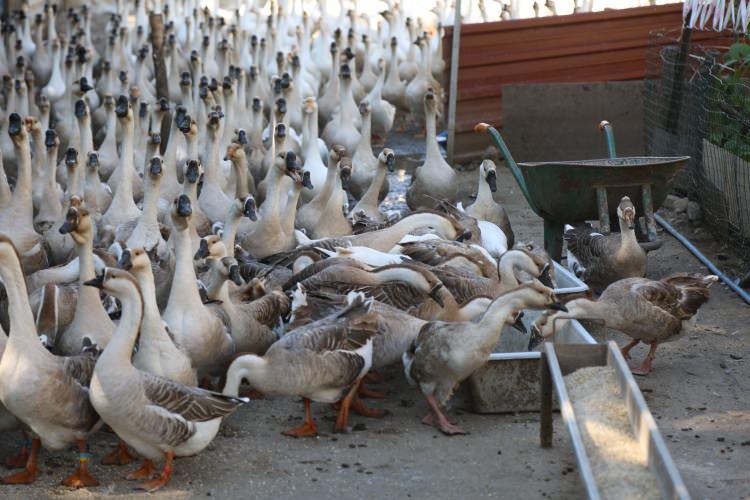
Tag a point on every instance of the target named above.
point(563, 359)
point(509, 381)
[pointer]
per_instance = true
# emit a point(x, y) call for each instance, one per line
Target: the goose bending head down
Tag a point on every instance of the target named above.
point(158, 417)
point(444, 354)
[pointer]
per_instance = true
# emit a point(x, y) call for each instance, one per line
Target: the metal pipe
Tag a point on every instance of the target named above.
point(453, 88)
point(710, 265)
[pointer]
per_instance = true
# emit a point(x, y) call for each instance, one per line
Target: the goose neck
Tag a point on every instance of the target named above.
point(240, 176)
point(370, 198)
point(151, 201)
point(247, 367)
point(19, 310)
point(184, 287)
point(119, 350)
point(24, 183)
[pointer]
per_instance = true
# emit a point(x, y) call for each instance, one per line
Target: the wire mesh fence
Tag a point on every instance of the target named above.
point(697, 103)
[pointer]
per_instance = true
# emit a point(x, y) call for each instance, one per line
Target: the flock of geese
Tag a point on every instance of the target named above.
point(155, 246)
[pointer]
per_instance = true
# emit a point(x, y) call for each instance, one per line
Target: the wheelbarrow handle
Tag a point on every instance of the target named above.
point(609, 133)
point(509, 161)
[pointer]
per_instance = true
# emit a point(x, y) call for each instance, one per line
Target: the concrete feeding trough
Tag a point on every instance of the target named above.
point(561, 360)
point(509, 381)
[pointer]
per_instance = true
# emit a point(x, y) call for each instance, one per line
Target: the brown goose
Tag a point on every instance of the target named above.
point(158, 417)
point(601, 259)
point(649, 311)
point(444, 354)
point(318, 361)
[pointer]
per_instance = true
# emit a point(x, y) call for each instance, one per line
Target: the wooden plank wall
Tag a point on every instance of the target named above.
point(592, 47)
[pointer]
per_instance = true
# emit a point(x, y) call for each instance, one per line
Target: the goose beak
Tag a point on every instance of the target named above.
point(535, 339)
point(125, 261)
point(435, 294)
point(155, 168)
point(49, 138)
point(80, 108)
point(14, 124)
point(492, 180)
point(242, 137)
point(67, 227)
point(121, 108)
point(557, 306)
point(192, 172)
point(518, 324)
point(466, 235)
point(249, 209)
point(306, 180)
point(346, 175)
point(282, 106)
point(97, 282)
point(202, 252)
point(183, 206)
point(234, 274)
point(390, 162)
point(83, 83)
point(545, 278)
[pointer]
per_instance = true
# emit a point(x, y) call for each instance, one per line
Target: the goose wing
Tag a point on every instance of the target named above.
point(588, 245)
point(267, 309)
point(651, 306)
point(174, 409)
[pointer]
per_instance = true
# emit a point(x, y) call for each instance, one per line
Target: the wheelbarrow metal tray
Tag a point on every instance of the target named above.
point(564, 191)
point(509, 381)
point(564, 359)
point(567, 282)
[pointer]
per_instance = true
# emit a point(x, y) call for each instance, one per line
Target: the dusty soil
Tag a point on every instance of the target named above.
point(697, 391)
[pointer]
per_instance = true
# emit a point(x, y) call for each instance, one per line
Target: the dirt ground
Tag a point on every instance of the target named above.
point(697, 392)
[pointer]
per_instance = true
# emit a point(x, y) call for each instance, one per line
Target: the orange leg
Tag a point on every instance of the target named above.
point(342, 420)
point(366, 392)
point(146, 471)
point(28, 475)
point(445, 426)
point(120, 456)
point(359, 408)
point(19, 461)
point(374, 377)
point(625, 350)
point(308, 429)
point(645, 368)
point(163, 478)
point(81, 477)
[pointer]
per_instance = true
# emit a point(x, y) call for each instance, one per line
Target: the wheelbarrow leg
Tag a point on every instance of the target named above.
point(553, 238)
point(648, 211)
point(603, 205)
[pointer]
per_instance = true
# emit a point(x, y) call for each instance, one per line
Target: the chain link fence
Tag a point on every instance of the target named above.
point(695, 104)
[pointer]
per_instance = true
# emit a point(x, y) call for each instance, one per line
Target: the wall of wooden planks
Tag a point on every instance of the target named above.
point(591, 47)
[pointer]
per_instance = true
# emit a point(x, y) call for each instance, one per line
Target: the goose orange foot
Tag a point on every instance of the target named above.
point(146, 471)
point(360, 408)
point(163, 479)
point(18, 461)
point(29, 473)
point(439, 420)
point(120, 456)
point(253, 394)
point(308, 429)
point(81, 478)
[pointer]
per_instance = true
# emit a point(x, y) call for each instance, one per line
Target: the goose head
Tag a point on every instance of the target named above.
point(214, 122)
point(387, 159)
point(210, 246)
point(43, 104)
point(345, 172)
point(134, 260)
point(186, 82)
point(534, 294)
point(429, 101)
point(51, 140)
point(182, 211)
point(92, 161)
point(117, 283)
point(240, 137)
point(305, 181)
point(80, 109)
point(235, 153)
point(286, 162)
point(188, 126)
point(365, 109)
point(626, 213)
point(156, 169)
point(227, 268)
point(77, 222)
point(489, 173)
point(71, 159)
point(33, 125)
point(123, 109)
point(309, 106)
point(17, 129)
point(193, 171)
point(109, 103)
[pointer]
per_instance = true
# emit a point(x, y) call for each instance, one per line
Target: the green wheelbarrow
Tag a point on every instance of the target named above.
point(565, 192)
